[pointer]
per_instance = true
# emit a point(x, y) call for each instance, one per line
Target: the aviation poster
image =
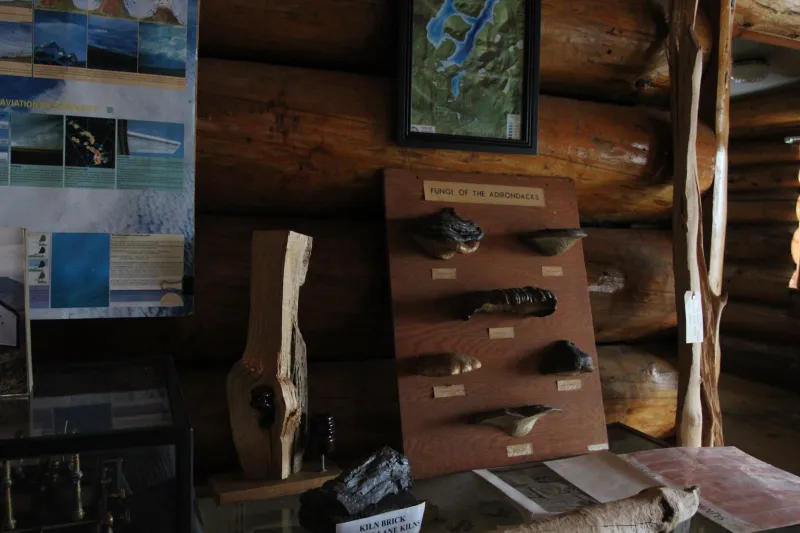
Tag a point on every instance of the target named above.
point(97, 123)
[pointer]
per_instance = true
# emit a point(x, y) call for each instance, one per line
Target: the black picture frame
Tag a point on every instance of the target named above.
point(528, 144)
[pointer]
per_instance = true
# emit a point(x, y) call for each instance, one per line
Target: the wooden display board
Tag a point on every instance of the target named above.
point(427, 320)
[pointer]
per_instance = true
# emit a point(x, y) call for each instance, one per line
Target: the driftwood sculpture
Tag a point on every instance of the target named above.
point(517, 421)
point(444, 234)
point(565, 358)
point(655, 510)
point(552, 242)
point(267, 388)
point(527, 301)
point(446, 364)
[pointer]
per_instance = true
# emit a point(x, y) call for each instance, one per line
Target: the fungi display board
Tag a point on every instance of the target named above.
point(462, 417)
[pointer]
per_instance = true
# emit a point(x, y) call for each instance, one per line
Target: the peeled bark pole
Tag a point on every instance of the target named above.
point(655, 510)
point(699, 416)
point(269, 439)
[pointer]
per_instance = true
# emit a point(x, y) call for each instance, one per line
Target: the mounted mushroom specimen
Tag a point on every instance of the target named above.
point(527, 301)
point(566, 359)
point(444, 234)
point(446, 364)
point(516, 421)
point(553, 241)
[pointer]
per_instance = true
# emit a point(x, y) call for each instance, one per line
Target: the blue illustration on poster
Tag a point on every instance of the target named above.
point(79, 275)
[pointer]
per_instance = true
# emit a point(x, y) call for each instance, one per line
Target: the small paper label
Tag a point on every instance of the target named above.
point(422, 128)
point(598, 447)
point(501, 333)
point(449, 391)
point(552, 272)
point(481, 193)
point(694, 317)
point(519, 450)
point(514, 127)
point(570, 384)
point(443, 273)
point(407, 520)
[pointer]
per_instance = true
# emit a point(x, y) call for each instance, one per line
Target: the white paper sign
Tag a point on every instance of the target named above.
point(407, 520)
point(694, 317)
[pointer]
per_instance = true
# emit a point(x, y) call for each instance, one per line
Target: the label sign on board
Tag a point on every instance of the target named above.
point(552, 271)
point(519, 450)
point(443, 273)
point(478, 193)
point(407, 520)
point(449, 391)
point(569, 384)
point(501, 333)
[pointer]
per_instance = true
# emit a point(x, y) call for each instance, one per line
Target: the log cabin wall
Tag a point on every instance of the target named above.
point(295, 112)
point(759, 329)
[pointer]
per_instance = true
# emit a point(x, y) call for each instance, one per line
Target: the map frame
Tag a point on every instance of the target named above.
point(528, 142)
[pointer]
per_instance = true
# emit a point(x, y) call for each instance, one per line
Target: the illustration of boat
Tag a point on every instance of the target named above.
point(139, 142)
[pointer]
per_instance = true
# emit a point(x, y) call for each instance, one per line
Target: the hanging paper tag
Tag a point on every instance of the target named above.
point(694, 317)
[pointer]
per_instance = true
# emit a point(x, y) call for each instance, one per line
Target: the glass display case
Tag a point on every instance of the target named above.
point(98, 448)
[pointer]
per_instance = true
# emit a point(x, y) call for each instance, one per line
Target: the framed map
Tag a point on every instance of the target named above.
point(469, 74)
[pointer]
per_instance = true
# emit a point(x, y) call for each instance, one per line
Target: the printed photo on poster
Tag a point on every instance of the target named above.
point(14, 354)
point(162, 49)
point(59, 38)
point(37, 139)
point(113, 44)
point(25, 4)
point(89, 142)
point(16, 41)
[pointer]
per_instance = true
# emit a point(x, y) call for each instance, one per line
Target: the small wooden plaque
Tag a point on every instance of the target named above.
point(501, 333)
point(444, 273)
point(449, 391)
point(233, 488)
point(569, 384)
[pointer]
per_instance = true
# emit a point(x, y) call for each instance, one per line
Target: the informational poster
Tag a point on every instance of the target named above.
point(97, 122)
point(15, 375)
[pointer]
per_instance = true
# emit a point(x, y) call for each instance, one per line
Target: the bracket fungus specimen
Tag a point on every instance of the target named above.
point(527, 301)
point(444, 234)
point(446, 364)
point(516, 421)
point(565, 358)
point(553, 242)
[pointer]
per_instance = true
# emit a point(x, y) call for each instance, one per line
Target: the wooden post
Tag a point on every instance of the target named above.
point(274, 359)
point(699, 417)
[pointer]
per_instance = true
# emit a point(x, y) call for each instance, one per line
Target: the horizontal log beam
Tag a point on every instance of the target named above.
point(776, 17)
point(773, 244)
point(609, 48)
point(639, 388)
point(761, 322)
point(344, 304)
point(758, 282)
point(764, 206)
point(765, 177)
point(767, 113)
point(746, 152)
point(772, 363)
point(294, 141)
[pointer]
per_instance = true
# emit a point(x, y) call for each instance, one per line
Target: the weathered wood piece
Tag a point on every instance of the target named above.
point(294, 141)
point(746, 152)
point(620, 53)
point(760, 321)
point(776, 17)
point(774, 244)
point(771, 113)
point(759, 282)
point(654, 510)
point(765, 177)
point(272, 445)
point(436, 438)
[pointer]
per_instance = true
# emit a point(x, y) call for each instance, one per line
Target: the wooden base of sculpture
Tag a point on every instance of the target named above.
point(267, 388)
point(233, 488)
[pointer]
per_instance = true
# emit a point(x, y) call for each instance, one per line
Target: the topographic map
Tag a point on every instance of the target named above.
point(466, 69)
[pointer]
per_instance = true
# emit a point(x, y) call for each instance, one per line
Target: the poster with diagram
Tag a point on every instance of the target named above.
point(97, 123)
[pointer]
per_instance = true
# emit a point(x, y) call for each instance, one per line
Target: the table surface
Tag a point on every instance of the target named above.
point(464, 503)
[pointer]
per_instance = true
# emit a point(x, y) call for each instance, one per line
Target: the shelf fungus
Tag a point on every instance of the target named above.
point(516, 421)
point(444, 234)
point(566, 359)
point(552, 242)
point(446, 364)
point(527, 301)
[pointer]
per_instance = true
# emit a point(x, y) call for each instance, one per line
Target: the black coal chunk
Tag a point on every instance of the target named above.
point(378, 485)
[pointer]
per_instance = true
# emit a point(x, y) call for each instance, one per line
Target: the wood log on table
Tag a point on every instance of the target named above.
point(776, 17)
point(767, 206)
point(774, 244)
point(746, 152)
point(770, 113)
point(639, 389)
point(769, 362)
point(609, 49)
point(764, 177)
point(759, 282)
point(295, 141)
point(772, 323)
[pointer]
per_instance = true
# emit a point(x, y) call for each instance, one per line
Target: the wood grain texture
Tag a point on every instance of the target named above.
point(771, 244)
point(761, 322)
point(231, 488)
point(610, 49)
point(292, 141)
point(426, 314)
point(744, 152)
point(765, 206)
point(766, 361)
point(776, 17)
point(764, 177)
point(760, 282)
point(767, 113)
